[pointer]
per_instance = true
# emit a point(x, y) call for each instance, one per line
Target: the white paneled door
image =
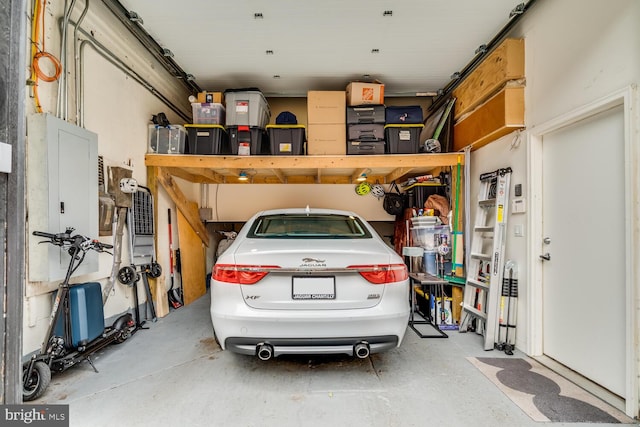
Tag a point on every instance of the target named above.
point(583, 235)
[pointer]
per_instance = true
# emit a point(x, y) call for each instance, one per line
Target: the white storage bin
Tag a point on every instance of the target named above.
point(247, 108)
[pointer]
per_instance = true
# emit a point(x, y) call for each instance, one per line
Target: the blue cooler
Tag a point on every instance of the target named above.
point(87, 315)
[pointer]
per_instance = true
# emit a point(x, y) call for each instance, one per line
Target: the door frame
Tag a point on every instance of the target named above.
point(627, 98)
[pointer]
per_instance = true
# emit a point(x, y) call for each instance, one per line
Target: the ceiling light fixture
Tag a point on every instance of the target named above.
point(258, 15)
point(387, 13)
point(268, 52)
point(276, 76)
point(363, 175)
point(375, 50)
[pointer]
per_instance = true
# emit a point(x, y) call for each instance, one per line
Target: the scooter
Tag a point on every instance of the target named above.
point(63, 346)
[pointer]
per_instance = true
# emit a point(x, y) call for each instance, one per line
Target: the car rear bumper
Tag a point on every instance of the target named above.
point(309, 331)
point(282, 346)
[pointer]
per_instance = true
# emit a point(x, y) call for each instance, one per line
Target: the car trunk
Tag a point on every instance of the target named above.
point(315, 278)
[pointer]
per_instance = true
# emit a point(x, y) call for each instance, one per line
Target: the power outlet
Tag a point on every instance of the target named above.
point(518, 230)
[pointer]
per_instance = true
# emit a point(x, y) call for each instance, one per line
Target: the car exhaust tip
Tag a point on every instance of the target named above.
point(264, 351)
point(361, 350)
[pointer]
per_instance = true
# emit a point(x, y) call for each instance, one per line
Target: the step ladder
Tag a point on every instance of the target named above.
point(486, 260)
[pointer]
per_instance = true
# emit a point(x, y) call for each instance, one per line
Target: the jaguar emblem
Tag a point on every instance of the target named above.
point(313, 262)
point(308, 260)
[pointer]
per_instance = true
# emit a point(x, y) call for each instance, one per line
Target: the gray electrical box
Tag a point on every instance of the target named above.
point(62, 174)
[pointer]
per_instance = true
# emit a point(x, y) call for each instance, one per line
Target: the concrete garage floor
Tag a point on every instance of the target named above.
point(174, 374)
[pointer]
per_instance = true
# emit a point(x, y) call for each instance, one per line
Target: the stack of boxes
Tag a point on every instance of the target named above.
point(365, 118)
point(207, 134)
point(402, 130)
point(365, 129)
point(354, 121)
point(248, 114)
point(326, 122)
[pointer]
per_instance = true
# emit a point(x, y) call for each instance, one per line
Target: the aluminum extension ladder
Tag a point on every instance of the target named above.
point(486, 260)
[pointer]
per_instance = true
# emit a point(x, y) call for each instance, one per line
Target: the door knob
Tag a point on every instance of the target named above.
point(545, 257)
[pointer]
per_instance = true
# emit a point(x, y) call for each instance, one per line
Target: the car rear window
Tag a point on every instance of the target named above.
point(305, 226)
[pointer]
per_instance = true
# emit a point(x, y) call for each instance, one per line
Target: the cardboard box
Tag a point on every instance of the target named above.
point(359, 93)
point(211, 97)
point(327, 139)
point(326, 107)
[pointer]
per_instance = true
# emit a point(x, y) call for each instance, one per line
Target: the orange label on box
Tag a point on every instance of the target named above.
point(367, 94)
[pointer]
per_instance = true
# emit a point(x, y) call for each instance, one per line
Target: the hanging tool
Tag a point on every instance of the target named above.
point(487, 251)
point(173, 296)
point(508, 309)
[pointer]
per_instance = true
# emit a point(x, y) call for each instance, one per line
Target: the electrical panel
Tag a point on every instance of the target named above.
point(62, 177)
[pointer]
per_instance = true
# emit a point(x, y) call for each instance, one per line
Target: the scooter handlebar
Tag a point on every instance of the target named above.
point(61, 238)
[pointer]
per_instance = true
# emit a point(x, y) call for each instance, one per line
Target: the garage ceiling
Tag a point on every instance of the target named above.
point(286, 47)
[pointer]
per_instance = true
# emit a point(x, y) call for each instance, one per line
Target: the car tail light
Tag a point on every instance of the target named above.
point(381, 274)
point(241, 274)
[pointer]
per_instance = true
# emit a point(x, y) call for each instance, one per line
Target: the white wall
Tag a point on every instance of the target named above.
point(575, 52)
point(119, 110)
point(238, 202)
point(508, 151)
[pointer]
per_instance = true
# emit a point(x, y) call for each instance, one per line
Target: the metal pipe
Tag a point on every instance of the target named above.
point(76, 58)
point(62, 82)
point(150, 44)
point(488, 48)
point(109, 56)
point(361, 350)
point(264, 351)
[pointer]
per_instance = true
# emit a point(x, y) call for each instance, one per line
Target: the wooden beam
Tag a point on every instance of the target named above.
point(397, 174)
point(280, 175)
point(318, 176)
point(500, 115)
point(505, 63)
point(190, 213)
point(193, 260)
point(208, 176)
point(422, 160)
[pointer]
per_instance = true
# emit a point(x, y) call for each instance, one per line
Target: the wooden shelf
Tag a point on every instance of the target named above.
point(300, 169)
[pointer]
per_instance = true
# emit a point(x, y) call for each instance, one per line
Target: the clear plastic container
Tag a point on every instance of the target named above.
point(208, 113)
point(167, 139)
point(430, 237)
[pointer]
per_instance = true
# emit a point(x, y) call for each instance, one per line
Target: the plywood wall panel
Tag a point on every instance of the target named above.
point(504, 64)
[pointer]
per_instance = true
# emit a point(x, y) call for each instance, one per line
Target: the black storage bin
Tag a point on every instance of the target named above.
point(207, 139)
point(404, 115)
point(365, 147)
point(365, 114)
point(369, 132)
point(403, 139)
point(286, 139)
point(253, 137)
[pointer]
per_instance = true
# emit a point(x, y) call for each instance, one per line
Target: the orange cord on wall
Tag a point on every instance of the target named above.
point(37, 26)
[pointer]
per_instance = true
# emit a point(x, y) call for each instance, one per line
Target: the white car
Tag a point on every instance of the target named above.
point(309, 281)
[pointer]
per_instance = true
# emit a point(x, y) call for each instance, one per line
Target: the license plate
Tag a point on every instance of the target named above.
point(314, 288)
